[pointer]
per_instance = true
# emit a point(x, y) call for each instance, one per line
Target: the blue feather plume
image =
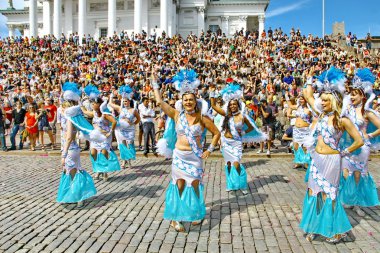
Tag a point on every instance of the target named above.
point(125, 89)
point(332, 75)
point(92, 91)
point(185, 75)
point(70, 86)
point(366, 75)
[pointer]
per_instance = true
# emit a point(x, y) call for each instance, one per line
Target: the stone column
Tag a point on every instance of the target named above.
point(261, 24)
point(32, 18)
point(57, 18)
point(243, 23)
point(137, 16)
point(46, 17)
point(201, 19)
point(11, 30)
point(164, 16)
point(69, 16)
point(81, 19)
point(225, 25)
point(111, 17)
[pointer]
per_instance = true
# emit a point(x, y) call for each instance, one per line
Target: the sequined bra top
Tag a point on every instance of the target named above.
point(330, 135)
point(304, 116)
point(196, 130)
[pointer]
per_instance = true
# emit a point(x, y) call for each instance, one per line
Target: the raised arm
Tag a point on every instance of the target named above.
point(168, 110)
point(213, 102)
point(86, 112)
point(114, 106)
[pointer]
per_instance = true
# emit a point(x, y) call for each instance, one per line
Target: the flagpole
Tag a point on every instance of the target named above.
point(323, 19)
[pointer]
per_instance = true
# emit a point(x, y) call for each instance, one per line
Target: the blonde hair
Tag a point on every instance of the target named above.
point(336, 109)
point(67, 104)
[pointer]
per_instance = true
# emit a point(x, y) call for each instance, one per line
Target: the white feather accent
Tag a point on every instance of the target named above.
point(97, 136)
point(70, 95)
point(260, 138)
point(163, 149)
point(73, 111)
point(318, 105)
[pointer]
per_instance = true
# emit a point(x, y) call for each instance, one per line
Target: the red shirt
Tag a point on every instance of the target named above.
point(53, 111)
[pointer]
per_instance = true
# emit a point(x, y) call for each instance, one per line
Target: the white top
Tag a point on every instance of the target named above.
point(146, 111)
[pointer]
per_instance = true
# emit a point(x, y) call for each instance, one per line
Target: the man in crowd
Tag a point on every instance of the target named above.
point(147, 115)
point(18, 115)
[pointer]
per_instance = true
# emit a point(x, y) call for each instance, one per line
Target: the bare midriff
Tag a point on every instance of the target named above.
point(324, 149)
point(301, 123)
point(183, 144)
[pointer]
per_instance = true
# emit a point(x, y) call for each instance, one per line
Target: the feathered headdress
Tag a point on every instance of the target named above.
point(232, 92)
point(71, 91)
point(186, 81)
point(126, 92)
point(92, 91)
point(331, 81)
point(364, 80)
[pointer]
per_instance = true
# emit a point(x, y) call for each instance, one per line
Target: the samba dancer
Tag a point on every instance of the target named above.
point(359, 189)
point(235, 128)
point(323, 213)
point(184, 199)
point(125, 130)
point(76, 184)
point(103, 158)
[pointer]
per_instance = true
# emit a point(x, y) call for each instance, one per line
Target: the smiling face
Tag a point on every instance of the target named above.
point(356, 96)
point(189, 102)
point(329, 103)
point(95, 106)
point(302, 101)
point(233, 106)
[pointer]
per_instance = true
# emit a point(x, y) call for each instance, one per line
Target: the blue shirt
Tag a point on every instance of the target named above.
point(288, 80)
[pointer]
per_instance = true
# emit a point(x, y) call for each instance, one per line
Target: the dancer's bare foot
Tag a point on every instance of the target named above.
point(177, 226)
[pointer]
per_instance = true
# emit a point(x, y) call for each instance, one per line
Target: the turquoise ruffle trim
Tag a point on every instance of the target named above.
point(127, 152)
point(362, 194)
point(74, 190)
point(102, 164)
point(187, 207)
point(300, 157)
point(306, 179)
point(234, 180)
point(321, 217)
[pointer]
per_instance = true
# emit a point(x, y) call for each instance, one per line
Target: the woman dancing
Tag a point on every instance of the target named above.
point(359, 189)
point(76, 184)
point(235, 129)
point(125, 131)
point(184, 197)
point(301, 130)
point(323, 213)
point(103, 158)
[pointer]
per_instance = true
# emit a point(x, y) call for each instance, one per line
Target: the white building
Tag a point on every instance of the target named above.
point(103, 17)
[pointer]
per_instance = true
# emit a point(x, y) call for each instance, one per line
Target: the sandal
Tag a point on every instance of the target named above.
point(197, 222)
point(310, 237)
point(43, 147)
point(177, 226)
point(336, 238)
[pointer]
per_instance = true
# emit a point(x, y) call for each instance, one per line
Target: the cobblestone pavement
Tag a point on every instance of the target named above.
point(126, 215)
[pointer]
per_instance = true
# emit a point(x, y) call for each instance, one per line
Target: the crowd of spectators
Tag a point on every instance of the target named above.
point(32, 72)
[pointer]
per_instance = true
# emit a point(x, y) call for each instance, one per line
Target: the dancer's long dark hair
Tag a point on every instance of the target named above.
point(226, 121)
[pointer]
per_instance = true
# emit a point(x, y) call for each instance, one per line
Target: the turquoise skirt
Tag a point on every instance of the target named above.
point(127, 152)
point(75, 190)
point(322, 217)
point(236, 181)
point(187, 207)
point(103, 165)
point(362, 194)
point(300, 157)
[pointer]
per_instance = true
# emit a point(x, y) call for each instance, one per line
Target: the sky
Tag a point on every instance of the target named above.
point(360, 17)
